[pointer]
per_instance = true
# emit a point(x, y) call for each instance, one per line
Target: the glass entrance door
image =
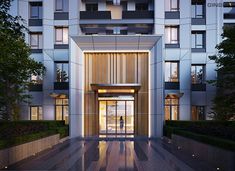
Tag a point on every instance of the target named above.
point(116, 117)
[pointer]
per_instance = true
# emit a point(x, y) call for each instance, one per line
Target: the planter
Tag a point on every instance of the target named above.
point(14, 154)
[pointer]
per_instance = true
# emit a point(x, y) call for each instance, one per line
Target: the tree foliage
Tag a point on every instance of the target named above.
point(16, 66)
point(224, 101)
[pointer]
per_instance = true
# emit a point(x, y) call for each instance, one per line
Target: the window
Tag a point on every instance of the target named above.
point(172, 35)
point(35, 113)
point(171, 72)
point(36, 40)
point(198, 39)
point(62, 109)
point(35, 10)
point(197, 10)
point(171, 108)
point(61, 35)
point(172, 5)
point(62, 70)
point(141, 6)
point(91, 7)
point(36, 79)
point(197, 74)
point(61, 5)
point(198, 113)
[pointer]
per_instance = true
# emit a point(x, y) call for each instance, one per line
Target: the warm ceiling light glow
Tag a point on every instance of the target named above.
point(132, 91)
point(102, 91)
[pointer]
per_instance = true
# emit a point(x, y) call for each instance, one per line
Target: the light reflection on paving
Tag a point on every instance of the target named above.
point(113, 155)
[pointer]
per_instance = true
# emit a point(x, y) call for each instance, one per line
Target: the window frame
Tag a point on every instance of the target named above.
point(171, 27)
point(195, 45)
point(38, 5)
point(198, 115)
point(174, 9)
point(171, 105)
point(62, 63)
point(194, 69)
point(38, 34)
point(59, 10)
point(63, 105)
point(38, 111)
point(195, 12)
point(171, 62)
point(62, 42)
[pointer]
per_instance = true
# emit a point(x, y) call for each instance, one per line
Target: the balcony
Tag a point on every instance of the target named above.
point(87, 15)
point(137, 15)
point(61, 85)
point(229, 16)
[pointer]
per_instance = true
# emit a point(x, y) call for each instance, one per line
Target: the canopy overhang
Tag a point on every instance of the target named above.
point(116, 42)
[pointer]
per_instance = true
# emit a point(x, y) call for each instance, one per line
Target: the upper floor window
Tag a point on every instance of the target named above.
point(198, 113)
point(62, 72)
point(62, 109)
point(35, 10)
point(171, 72)
point(171, 108)
point(172, 5)
point(197, 9)
point(36, 79)
point(141, 6)
point(198, 39)
point(36, 40)
point(172, 35)
point(35, 112)
point(197, 74)
point(91, 7)
point(61, 35)
point(61, 5)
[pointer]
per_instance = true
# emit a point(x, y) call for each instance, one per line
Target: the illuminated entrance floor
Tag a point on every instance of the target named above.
point(77, 154)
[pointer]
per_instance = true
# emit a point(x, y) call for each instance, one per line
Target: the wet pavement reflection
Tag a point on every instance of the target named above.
point(130, 155)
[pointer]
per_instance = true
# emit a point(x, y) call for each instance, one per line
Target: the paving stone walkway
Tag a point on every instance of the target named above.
point(110, 155)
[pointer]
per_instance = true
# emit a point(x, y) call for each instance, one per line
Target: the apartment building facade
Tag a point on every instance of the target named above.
point(122, 67)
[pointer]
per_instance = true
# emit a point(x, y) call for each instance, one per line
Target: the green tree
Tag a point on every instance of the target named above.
point(16, 67)
point(224, 101)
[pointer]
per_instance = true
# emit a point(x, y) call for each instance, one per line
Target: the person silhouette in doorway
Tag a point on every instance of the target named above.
point(121, 123)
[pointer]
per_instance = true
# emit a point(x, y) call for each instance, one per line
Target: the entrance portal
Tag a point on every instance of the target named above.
point(116, 115)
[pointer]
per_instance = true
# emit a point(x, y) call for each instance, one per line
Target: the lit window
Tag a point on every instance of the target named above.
point(35, 10)
point(171, 72)
point(35, 113)
point(171, 109)
point(198, 39)
point(62, 109)
point(197, 74)
point(198, 113)
point(61, 5)
point(172, 35)
point(62, 70)
point(61, 35)
point(36, 40)
point(172, 5)
point(36, 79)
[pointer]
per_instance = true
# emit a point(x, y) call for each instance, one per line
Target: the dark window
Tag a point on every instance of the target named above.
point(62, 72)
point(61, 5)
point(35, 10)
point(91, 7)
point(35, 112)
point(198, 74)
point(171, 72)
point(172, 35)
point(198, 9)
point(172, 109)
point(61, 35)
point(172, 5)
point(141, 6)
point(198, 113)
point(36, 40)
point(62, 109)
point(198, 39)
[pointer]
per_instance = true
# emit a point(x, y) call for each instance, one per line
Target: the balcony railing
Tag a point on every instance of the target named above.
point(229, 16)
point(95, 15)
point(137, 14)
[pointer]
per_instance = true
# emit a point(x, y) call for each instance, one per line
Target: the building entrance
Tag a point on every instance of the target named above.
point(116, 115)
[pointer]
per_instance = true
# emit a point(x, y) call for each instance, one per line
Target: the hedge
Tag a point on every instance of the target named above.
point(220, 129)
point(215, 141)
point(19, 132)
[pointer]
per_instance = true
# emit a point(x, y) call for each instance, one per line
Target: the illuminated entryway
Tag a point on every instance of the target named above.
point(116, 115)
